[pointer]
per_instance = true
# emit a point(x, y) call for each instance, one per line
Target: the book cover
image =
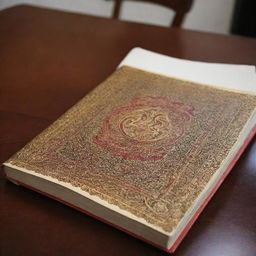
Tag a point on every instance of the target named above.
point(149, 147)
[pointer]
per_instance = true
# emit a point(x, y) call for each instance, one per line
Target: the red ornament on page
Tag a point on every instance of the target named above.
point(144, 130)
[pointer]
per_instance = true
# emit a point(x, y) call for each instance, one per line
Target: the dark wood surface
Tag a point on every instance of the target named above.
point(48, 61)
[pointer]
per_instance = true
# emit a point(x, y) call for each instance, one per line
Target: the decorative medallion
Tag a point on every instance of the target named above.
point(144, 130)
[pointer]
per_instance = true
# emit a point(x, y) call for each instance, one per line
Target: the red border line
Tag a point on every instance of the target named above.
point(198, 212)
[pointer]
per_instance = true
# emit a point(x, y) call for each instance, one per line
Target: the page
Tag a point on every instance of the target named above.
point(230, 76)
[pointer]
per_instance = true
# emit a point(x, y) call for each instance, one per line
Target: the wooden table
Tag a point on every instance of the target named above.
point(48, 61)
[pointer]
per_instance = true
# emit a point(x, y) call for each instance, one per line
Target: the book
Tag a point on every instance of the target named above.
point(147, 148)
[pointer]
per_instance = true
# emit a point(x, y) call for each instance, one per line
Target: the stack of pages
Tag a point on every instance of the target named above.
point(145, 150)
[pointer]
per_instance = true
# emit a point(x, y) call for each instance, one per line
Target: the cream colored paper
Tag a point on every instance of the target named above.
point(230, 76)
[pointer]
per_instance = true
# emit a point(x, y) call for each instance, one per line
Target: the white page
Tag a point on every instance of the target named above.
point(231, 76)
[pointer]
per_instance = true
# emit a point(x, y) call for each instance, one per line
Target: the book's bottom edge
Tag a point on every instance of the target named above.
point(186, 228)
point(16, 182)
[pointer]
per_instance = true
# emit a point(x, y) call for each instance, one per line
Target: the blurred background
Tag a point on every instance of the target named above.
point(217, 16)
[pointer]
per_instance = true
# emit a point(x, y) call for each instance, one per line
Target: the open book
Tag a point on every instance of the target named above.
point(145, 150)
